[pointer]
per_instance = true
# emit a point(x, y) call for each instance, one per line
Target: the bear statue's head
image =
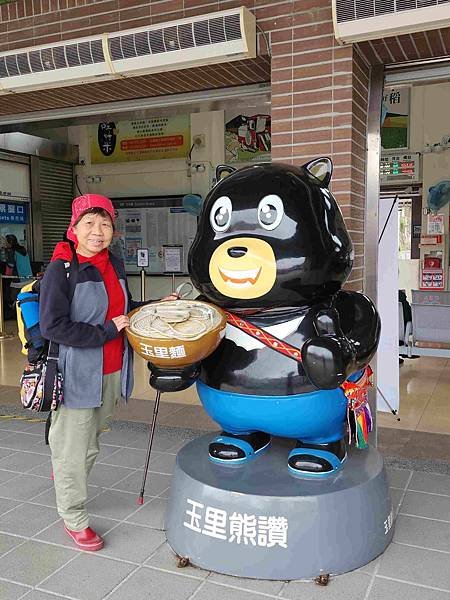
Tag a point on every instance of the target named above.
point(271, 235)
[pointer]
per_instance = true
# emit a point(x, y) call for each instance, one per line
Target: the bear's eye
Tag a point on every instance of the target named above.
point(270, 211)
point(220, 215)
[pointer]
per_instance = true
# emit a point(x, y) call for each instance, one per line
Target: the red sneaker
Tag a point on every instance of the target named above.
point(86, 539)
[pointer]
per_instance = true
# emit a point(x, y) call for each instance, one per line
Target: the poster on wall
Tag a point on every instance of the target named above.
point(162, 226)
point(144, 139)
point(247, 137)
point(395, 118)
point(435, 224)
point(14, 181)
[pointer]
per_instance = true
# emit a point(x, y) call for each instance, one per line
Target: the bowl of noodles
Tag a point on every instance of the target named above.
point(176, 333)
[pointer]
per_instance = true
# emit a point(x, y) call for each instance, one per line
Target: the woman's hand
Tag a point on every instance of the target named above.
point(173, 296)
point(121, 322)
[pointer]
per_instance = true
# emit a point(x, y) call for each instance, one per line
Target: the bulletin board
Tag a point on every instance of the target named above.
point(158, 223)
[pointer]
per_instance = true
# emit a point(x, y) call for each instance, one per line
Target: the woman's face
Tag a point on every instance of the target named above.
point(94, 234)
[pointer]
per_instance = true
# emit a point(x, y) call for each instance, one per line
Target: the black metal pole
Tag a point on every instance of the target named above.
point(140, 500)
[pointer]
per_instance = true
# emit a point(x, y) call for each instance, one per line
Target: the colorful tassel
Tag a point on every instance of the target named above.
point(359, 417)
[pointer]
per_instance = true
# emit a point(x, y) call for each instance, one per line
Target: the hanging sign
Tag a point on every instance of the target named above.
point(395, 118)
point(432, 279)
point(13, 213)
point(144, 139)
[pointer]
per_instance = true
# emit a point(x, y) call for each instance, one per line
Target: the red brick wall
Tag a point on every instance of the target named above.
point(319, 89)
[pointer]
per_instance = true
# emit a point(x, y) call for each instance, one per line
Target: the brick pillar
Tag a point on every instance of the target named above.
point(319, 108)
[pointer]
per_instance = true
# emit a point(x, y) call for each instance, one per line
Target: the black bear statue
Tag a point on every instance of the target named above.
point(273, 251)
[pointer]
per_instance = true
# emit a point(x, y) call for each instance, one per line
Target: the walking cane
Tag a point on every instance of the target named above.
point(140, 500)
point(187, 287)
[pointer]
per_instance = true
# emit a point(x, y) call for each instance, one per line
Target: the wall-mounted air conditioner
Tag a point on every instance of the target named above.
point(360, 20)
point(202, 40)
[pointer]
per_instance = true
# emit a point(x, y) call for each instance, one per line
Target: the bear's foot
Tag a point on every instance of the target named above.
point(229, 449)
point(317, 460)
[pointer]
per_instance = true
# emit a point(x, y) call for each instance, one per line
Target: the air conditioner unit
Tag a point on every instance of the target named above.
point(360, 20)
point(202, 40)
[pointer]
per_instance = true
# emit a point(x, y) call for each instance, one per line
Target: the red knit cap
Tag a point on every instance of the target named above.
point(84, 203)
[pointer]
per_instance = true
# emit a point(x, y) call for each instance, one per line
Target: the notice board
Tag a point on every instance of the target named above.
point(155, 223)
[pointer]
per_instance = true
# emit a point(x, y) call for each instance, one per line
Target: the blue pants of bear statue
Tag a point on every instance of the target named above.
point(315, 417)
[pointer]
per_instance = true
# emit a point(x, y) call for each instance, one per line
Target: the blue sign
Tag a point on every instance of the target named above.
point(13, 213)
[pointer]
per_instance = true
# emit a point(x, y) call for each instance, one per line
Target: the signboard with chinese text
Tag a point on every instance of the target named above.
point(155, 224)
point(432, 279)
point(13, 212)
point(144, 139)
point(395, 118)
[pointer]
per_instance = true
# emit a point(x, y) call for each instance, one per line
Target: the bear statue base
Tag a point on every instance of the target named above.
point(259, 521)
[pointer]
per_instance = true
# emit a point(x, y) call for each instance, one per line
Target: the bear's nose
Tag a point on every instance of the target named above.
point(237, 251)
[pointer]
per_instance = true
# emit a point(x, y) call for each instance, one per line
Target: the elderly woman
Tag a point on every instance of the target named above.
point(94, 357)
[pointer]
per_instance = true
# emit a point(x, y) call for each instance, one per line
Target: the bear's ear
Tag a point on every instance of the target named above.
point(321, 169)
point(222, 171)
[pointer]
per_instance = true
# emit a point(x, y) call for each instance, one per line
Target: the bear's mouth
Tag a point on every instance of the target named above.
point(240, 278)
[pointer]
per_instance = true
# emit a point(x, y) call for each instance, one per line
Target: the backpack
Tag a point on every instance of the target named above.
point(34, 346)
point(41, 384)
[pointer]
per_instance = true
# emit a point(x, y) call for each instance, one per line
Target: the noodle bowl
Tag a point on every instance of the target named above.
point(176, 333)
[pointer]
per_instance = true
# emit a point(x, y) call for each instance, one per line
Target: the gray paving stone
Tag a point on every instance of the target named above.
point(11, 591)
point(221, 592)
point(150, 583)
point(24, 487)
point(370, 567)
point(253, 585)
point(415, 565)
point(164, 463)
point(113, 504)
point(396, 497)
point(106, 451)
point(6, 476)
point(33, 561)
point(6, 452)
point(88, 577)
point(386, 589)
point(106, 476)
point(156, 483)
point(23, 462)
point(37, 595)
point(7, 542)
point(426, 505)
point(48, 497)
point(126, 457)
point(351, 586)
point(42, 448)
point(56, 534)
point(44, 470)
point(165, 558)
point(20, 441)
point(7, 505)
point(152, 513)
point(132, 542)
point(161, 442)
point(423, 532)
point(430, 482)
point(398, 478)
point(120, 437)
point(27, 519)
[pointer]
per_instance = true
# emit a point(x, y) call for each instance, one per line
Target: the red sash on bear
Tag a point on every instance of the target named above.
point(358, 414)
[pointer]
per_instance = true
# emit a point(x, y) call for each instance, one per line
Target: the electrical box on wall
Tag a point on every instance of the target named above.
point(400, 167)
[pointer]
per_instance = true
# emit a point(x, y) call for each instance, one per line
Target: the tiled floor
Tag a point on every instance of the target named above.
point(38, 562)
